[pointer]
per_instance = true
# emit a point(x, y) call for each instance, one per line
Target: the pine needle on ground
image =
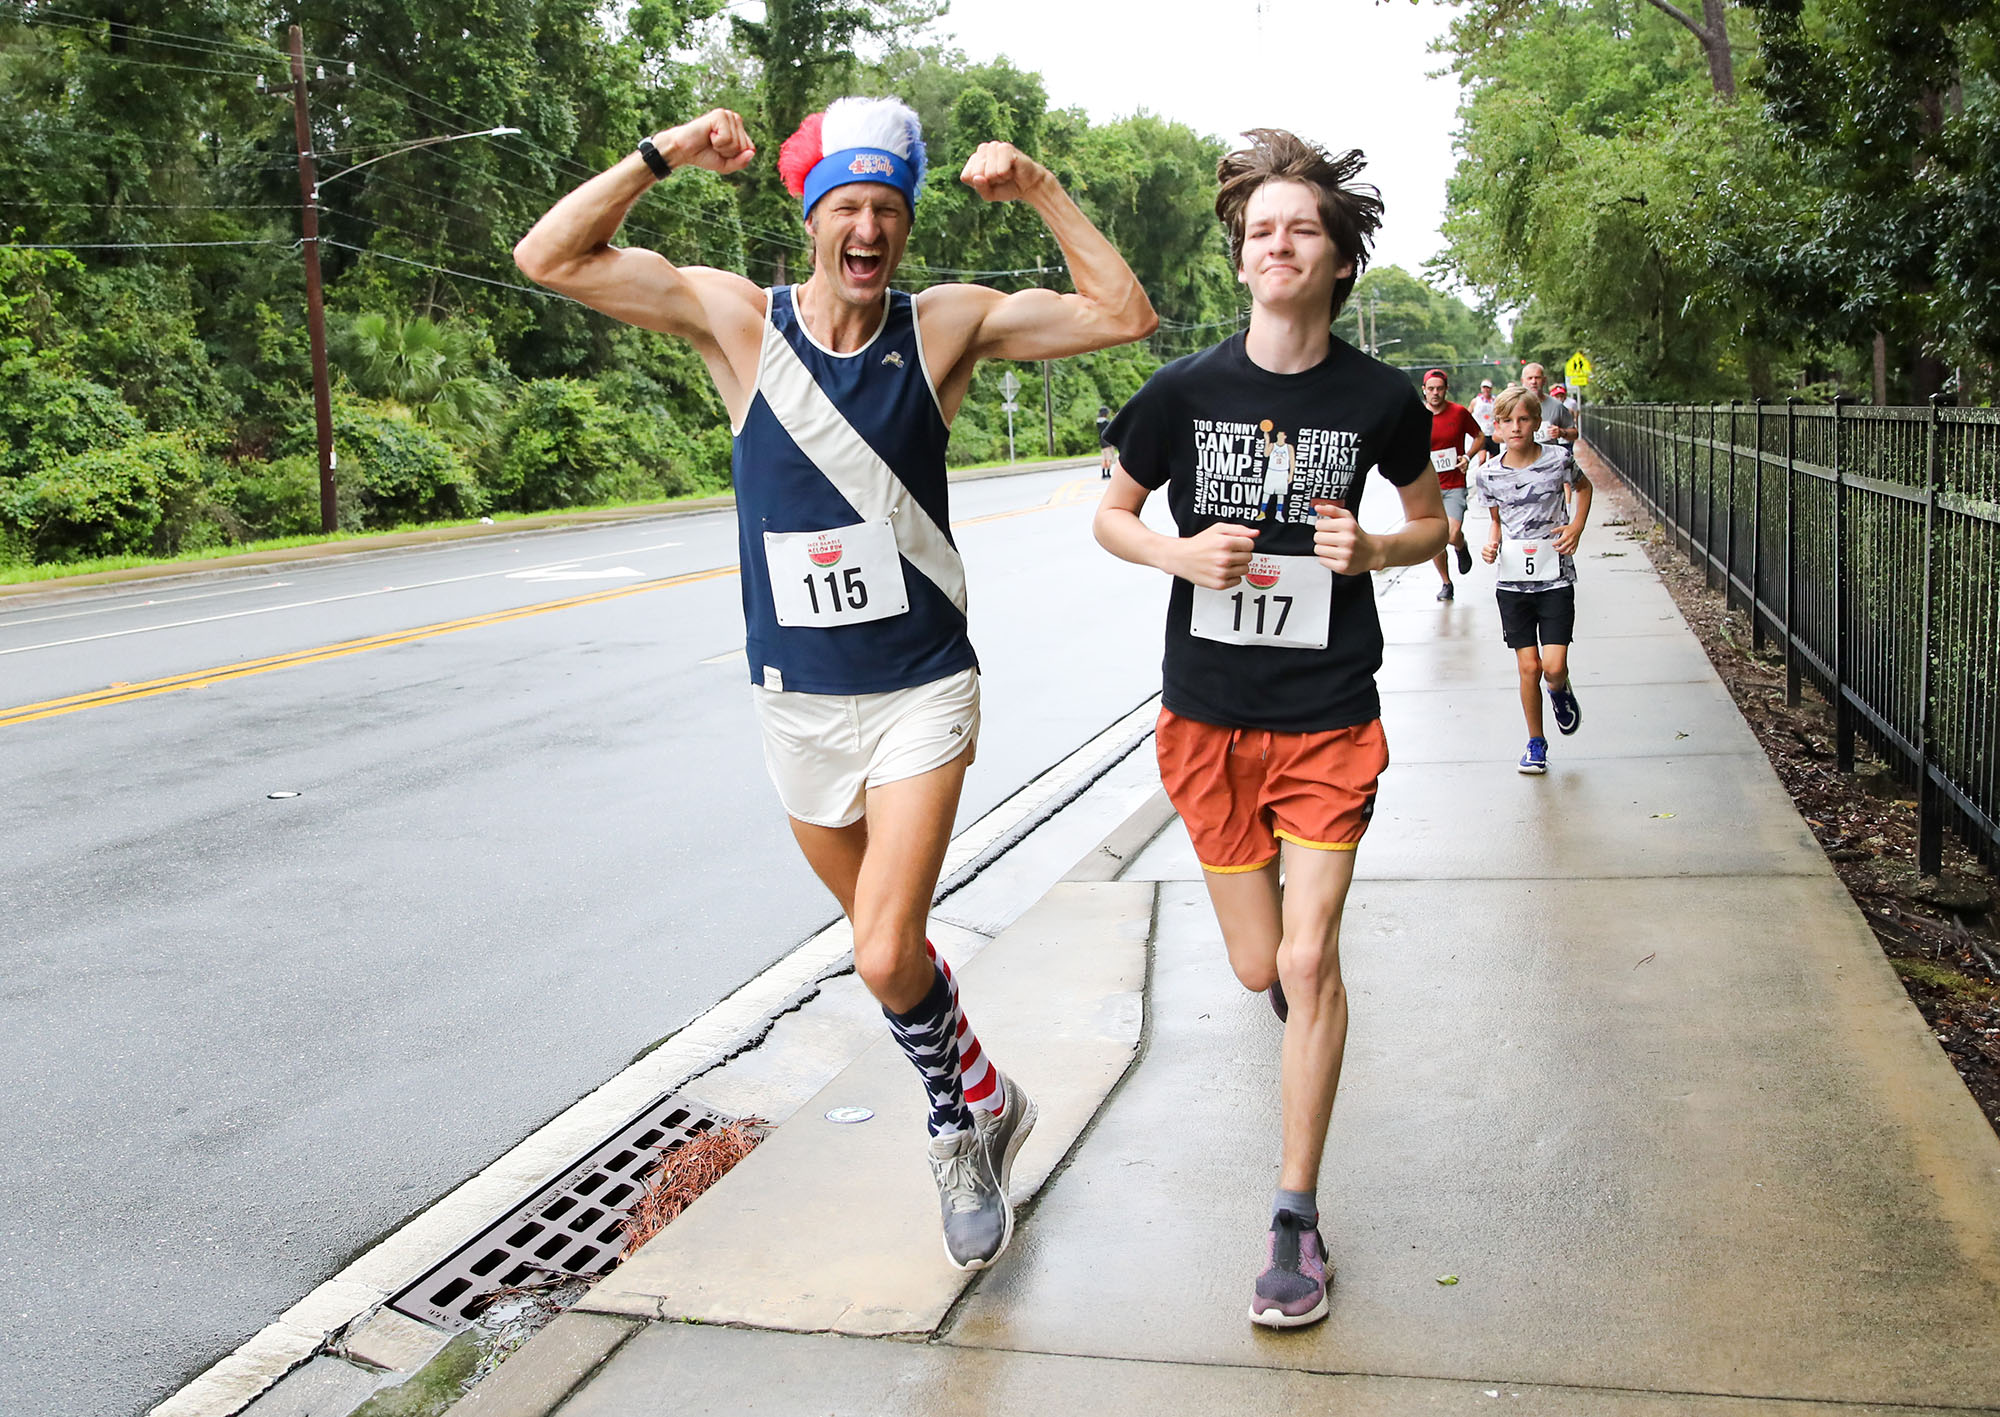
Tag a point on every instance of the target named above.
point(684, 1173)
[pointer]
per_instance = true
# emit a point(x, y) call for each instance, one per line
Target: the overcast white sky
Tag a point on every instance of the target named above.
point(1346, 73)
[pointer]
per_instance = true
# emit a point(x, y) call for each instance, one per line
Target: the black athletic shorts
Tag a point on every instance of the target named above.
point(1528, 617)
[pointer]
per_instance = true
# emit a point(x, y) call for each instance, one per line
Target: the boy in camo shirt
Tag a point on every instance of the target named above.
point(1533, 539)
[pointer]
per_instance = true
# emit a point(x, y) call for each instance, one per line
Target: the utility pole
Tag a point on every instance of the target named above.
point(315, 303)
point(1049, 407)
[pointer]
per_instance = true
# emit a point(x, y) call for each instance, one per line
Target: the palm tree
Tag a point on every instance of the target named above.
point(423, 370)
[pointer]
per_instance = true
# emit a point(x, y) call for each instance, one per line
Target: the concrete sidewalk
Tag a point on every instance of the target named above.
point(1625, 1062)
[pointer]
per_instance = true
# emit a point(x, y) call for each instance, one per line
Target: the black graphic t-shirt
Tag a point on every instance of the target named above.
point(1235, 443)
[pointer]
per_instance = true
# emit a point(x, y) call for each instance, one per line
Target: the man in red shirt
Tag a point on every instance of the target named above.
point(1453, 431)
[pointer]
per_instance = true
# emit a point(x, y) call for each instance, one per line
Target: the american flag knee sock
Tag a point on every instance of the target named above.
point(976, 1075)
point(925, 1034)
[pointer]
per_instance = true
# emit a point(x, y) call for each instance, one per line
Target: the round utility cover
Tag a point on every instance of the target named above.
point(849, 1114)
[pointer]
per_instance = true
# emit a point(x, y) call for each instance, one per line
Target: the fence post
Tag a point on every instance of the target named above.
point(1792, 672)
point(1729, 526)
point(1843, 714)
point(1757, 529)
point(1930, 810)
point(1693, 460)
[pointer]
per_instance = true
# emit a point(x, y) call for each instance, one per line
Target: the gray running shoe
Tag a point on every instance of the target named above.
point(1291, 1292)
point(978, 1222)
point(1002, 1138)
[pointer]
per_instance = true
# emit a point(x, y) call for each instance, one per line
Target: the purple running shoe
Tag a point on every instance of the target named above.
point(1291, 1292)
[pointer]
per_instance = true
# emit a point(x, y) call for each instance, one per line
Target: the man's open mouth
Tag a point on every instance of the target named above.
point(860, 265)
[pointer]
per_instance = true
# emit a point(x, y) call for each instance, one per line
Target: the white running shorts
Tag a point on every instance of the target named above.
point(824, 751)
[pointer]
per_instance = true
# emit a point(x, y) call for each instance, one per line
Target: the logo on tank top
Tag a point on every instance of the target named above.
point(824, 549)
point(894, 357)
point(1262, 572)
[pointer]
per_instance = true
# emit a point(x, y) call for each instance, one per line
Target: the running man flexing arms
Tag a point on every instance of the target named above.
point(841, 392)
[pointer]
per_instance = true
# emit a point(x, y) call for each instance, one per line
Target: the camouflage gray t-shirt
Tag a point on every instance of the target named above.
point(1532, 504)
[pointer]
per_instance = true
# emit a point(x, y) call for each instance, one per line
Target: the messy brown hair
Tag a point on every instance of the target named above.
point(1351, 211)
point(1511, 398)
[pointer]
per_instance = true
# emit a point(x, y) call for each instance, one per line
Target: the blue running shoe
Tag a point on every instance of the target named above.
point(1536, 759)
point(1569, 713)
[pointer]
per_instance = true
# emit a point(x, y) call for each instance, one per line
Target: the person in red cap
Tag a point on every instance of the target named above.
point(1455, 434)
point(841, 393)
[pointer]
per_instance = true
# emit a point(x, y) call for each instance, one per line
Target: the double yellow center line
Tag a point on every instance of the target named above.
point(202, 678)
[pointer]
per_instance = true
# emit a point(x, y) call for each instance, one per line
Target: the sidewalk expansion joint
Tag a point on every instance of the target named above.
point(1541, 1384)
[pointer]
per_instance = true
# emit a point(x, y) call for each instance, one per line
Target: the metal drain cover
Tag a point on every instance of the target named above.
point(568, 1227)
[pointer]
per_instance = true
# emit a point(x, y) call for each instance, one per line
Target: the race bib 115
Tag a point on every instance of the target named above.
point(847, 575)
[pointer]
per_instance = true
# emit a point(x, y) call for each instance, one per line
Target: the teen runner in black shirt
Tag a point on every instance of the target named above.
point(1269, 729)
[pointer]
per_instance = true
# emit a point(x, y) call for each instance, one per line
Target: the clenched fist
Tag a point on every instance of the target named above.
point(1001, 172)
point(1340, 543)
point(717, 141)
point(1216, 557)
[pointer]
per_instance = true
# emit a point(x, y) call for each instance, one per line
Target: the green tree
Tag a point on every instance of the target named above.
point(426, 368)
point(1894, 112)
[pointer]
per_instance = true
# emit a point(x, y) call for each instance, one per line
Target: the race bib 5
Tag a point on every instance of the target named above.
point(1531, 560)
point(1282, 601)
point(847, 575)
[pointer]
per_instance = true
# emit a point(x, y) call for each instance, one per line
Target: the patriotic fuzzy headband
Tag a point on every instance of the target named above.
point(855, 140)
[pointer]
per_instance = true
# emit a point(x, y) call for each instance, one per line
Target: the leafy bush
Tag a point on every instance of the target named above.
point(571, 442)
point(47, 415)
point(140, 497)
point(388, 469)
point(254, 500)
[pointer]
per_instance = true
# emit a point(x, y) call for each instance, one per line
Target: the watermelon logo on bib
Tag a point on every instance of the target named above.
point(1262, 572)
point(823, 550)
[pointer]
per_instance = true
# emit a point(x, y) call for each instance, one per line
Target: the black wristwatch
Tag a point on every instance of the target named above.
point(654, 158)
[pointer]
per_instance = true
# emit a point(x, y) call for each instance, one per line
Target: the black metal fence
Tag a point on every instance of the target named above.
point(1866, 542)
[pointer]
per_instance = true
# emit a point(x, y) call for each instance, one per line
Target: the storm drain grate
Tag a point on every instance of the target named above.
point(570, 1227)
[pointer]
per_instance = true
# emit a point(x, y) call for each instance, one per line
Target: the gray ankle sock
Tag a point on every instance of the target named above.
point(1300, 1203)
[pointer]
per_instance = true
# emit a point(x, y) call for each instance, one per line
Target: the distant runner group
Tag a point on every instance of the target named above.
point(841, 392)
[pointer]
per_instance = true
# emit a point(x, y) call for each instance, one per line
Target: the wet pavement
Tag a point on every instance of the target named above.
point(1626, 1065)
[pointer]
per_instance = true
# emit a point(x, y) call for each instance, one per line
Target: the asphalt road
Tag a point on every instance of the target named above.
point(241, 1037)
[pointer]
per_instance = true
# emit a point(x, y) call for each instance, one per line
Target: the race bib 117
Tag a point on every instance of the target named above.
point(1282, 601)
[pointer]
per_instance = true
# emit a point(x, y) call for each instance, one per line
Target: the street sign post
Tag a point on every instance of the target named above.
point(1010, 385)
point(1577, 370)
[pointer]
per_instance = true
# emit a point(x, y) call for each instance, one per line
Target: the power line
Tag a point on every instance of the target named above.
point(446, 270)
point(127, 245)
point(158, 206)
point(192, 40)
point(405, 231)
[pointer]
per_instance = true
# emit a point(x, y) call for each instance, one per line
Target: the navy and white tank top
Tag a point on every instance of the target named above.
point(834, 440)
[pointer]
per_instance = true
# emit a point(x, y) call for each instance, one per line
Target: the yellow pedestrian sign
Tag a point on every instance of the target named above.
point(1577, 370)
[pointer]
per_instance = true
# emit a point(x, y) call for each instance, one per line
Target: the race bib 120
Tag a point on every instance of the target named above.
point(848, 575)
point(1445, 459)
point(1534, 560)
point(1282, 601)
